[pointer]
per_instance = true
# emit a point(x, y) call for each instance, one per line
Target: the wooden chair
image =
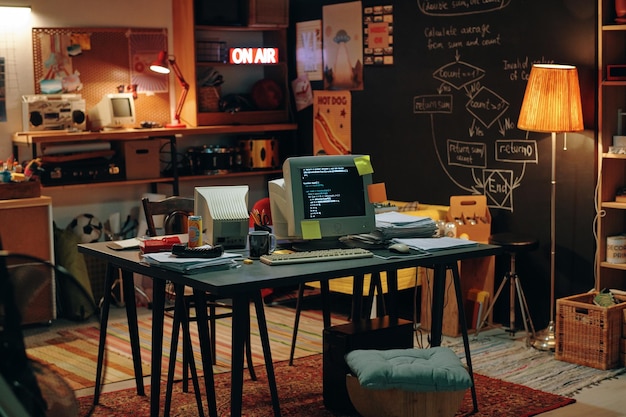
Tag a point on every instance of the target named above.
point(176, 210)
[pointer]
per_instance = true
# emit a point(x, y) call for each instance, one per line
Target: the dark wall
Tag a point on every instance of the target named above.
point(434, 120)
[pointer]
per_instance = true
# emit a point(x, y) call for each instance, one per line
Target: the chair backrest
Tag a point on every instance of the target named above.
point(175, 209)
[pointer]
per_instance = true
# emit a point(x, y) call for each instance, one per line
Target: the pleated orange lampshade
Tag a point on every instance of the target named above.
point(552, 100)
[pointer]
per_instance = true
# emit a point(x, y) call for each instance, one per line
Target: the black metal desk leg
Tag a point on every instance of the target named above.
point(128, 286)
point(357, 297)
point(325, 291)
point(109, 278)
point(392, 294)
point(158, 311)
point(267, 352)
point(241, 327)
point(439, 286)
point(202, 320)
point(463, 323)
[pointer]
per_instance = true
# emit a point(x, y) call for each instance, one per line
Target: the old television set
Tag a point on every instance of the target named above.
point(225, 216)
point(114, 111)
point(320, 199)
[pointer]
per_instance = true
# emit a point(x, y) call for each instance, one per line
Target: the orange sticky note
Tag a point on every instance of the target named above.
point(377, 192)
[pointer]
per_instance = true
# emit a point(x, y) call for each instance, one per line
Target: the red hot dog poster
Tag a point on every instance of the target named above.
point(332, 122)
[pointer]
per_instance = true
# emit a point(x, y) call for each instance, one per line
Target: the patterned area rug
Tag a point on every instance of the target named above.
point(300, 394)
point(512, 361)
point(73, 353)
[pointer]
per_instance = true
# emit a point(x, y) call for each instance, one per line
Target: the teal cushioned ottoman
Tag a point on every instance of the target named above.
point(434, 369)
point(406, 382)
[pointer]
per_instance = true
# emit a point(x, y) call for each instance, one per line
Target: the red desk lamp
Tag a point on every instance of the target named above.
point(162, 66)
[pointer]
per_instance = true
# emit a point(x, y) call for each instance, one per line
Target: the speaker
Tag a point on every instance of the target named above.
point(379, 333)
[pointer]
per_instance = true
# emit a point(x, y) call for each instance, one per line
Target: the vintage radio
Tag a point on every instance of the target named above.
point(53, 112)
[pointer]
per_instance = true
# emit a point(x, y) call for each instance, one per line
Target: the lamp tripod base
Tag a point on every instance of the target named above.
point(545, 339)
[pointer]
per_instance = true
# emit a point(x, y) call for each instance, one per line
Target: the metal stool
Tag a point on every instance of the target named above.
point(512, 243)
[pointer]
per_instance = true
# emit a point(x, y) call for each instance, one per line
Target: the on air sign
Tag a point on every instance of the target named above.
point(246, 56)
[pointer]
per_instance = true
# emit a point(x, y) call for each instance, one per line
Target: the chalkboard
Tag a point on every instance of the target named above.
point(441, 120)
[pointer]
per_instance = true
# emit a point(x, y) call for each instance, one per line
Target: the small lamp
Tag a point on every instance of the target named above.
point(551, 104)
point(162, 66)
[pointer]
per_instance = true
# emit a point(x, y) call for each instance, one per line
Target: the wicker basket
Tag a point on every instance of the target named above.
point(209, 98)
point(587, 334)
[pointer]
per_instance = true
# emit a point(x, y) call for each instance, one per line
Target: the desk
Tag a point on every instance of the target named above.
point(245, 283)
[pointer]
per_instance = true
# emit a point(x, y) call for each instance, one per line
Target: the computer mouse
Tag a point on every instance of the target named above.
point(399, 248)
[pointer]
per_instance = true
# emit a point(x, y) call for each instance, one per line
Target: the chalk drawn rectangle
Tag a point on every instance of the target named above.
point(517, 151)
point(435, 103)
point(466, 154)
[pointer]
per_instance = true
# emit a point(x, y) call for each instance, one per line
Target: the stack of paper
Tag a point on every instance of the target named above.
point(393, 224)
point(431, 244)
point(191, 265)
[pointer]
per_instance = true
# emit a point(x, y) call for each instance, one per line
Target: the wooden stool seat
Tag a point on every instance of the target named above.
point(514, 242)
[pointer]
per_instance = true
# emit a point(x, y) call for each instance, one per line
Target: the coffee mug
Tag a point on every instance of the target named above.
point(261, 242)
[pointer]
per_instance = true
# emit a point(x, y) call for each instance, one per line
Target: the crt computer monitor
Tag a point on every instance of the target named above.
point(114, 111)
point(323, 193)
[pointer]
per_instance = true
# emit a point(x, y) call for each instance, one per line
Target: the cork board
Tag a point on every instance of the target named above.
point(96, 61)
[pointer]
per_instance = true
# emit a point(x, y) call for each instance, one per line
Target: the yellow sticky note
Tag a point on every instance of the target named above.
point(311, 229)
point(363, 165)
point(377, 192)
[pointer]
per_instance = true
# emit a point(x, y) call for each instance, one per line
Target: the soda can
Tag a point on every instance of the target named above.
point(194, 231)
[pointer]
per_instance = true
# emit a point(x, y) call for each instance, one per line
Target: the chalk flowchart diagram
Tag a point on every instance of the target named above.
point(491, 159)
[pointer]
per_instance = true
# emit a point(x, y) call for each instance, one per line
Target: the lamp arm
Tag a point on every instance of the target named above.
point(185, 87)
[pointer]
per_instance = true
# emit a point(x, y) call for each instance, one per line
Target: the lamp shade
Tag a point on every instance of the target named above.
point(552, 100)
point(160, 65)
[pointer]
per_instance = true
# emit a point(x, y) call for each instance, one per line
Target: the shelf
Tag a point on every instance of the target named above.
point(621, 267)
point(613, 205)
point(611, 46)
point(613, 156)
point(230, 175)
point(138, 134)
point(614, 27)
point(102, 184)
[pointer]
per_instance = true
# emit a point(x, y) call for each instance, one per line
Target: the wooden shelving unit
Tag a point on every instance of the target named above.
point(612, 166)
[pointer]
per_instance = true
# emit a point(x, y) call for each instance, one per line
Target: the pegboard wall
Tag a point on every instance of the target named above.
point(97, 61)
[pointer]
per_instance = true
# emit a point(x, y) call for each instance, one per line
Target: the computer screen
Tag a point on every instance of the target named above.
point(114, 111)
point(321, 198)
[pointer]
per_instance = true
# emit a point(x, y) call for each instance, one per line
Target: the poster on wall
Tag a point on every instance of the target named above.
point(144, 49)
point(58, 74)
point(343, 47)
point(378, 35)
point(3, 92)
point(332, 122)
point(309, 49)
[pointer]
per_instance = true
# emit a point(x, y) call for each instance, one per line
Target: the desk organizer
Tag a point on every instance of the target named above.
point(471, 216)
point(587, 334)
point(24, 189)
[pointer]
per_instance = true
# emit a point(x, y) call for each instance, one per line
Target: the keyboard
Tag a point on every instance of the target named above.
point(315, 256)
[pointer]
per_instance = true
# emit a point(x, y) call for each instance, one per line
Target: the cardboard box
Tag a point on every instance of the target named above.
point(471, 215)
point(141, 159)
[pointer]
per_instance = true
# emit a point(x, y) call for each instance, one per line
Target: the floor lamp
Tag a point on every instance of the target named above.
point(551, 104)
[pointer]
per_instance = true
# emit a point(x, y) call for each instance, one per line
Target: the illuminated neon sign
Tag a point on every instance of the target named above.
point(247, 56)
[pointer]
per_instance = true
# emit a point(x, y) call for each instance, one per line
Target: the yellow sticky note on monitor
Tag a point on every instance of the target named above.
point(311, 229)
point(363, 165)
point(377, 192)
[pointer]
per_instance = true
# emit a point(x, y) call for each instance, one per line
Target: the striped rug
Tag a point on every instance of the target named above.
point(73, 352)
